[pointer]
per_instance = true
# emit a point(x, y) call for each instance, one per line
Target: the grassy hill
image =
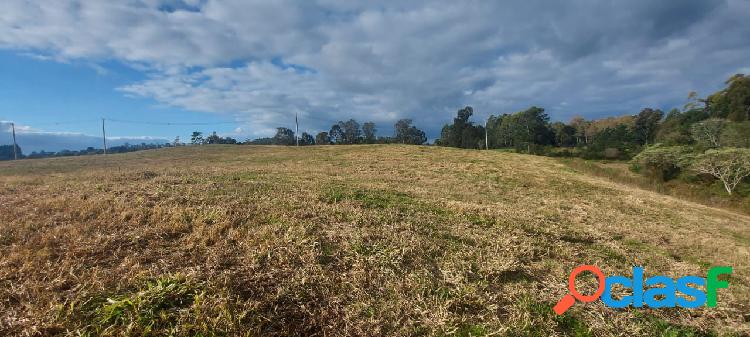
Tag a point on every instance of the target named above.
point(344, 240)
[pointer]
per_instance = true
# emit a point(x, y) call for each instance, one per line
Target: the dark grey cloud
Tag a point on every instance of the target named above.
point(264, 61)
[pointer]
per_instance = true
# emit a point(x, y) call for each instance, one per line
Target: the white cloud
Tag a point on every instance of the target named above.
point(263, 61)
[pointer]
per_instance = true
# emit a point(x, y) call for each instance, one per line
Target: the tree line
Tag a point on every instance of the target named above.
point(708, 139)
point(341, 133)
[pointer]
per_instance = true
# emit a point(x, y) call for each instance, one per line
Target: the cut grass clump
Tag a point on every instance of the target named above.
point(375, 199)
point(542, 321)
point(654, 326)
point(155, 309)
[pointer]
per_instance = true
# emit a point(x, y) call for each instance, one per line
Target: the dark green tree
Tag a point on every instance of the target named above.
point(369, 131)
point(284, 136)
point(405, 133)
point(306, 139)
point(337, 134)
point(322, 138)
point(196, 138)
point(646, 124)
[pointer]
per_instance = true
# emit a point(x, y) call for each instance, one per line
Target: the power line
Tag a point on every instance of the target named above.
point(168, 123)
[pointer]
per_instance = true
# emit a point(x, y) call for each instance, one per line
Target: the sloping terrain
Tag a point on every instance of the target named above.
point(344, 240)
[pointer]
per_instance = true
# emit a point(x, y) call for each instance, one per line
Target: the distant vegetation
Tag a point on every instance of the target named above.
point(706, 140)
point(347, 133)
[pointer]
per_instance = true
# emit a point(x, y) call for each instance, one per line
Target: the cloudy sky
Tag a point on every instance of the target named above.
point(247, 66)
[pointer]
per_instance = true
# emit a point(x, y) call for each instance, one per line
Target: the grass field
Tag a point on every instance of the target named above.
point(344, 240)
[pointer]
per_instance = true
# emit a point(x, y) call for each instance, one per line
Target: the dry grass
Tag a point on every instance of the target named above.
point(335, 240)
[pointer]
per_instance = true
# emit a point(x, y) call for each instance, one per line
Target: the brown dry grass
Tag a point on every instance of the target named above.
point(343, 240)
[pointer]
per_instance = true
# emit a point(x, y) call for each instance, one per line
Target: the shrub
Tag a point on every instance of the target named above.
point(664, 162)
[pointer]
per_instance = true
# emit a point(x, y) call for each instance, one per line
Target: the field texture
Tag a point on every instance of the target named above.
point(344, 240)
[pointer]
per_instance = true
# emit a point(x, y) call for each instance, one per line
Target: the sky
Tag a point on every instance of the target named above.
point(151, 68)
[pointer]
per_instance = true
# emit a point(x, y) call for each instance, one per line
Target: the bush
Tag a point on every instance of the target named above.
point(664, 162)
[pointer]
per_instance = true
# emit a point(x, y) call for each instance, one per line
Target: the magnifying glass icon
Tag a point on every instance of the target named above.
point(568, 300)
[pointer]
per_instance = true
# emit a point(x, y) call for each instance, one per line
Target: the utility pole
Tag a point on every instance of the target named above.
point(104, 138)
point(486, 137)
point(15, 145)
point(296, 129)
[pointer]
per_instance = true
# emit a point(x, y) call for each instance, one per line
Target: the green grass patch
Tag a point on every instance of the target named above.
point(654, 326)
point(154, 309)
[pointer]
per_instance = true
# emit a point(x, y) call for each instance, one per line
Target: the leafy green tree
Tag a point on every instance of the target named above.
point(347, 132)
point(284, 136)
point(368, 131)
point(675, 129)
point(565, 135)
point(529, 128)
point(736, 134)
point(306, 139)
point(213, 139)
point(405, 133)
point(322, 138)
point(664, 162)
point(707, 134)
point(613, 143)
point(645, 125)
point(196, 138)
point(337, 134)
point(732, 102)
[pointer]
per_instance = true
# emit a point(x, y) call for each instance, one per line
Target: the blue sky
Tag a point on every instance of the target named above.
point(249, 66)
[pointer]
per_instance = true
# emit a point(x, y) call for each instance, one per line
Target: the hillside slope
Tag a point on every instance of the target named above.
point(343, 240)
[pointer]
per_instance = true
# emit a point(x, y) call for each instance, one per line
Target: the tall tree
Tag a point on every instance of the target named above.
point(213, 139)
point(565, 135)
point(284, 136)
point(732, 102)
point(531, 128)
point(405, 133)
point(306, 139)
point(368, 130)
point(322, 138)
point(646, 124)
point(337, 134)
point(196, 138)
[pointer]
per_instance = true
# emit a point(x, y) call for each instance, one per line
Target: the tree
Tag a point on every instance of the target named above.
point(736, 134)
point(213, 139)
point(707, 133)
point(664, 162)
point(322, 138)
point(306, 139)
point(368, 130)
point(733, 102)
point(612, 143)
point(646, 124)
point(176, 141)
point(351, 131)
point(196, 138)
point(580, 125)
point(530, 127)
point(462, 133)
point(337, 134)
point(730, 166)
point(284, 136)
point(565, 135)
point(675, 129)
point(405, 133)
